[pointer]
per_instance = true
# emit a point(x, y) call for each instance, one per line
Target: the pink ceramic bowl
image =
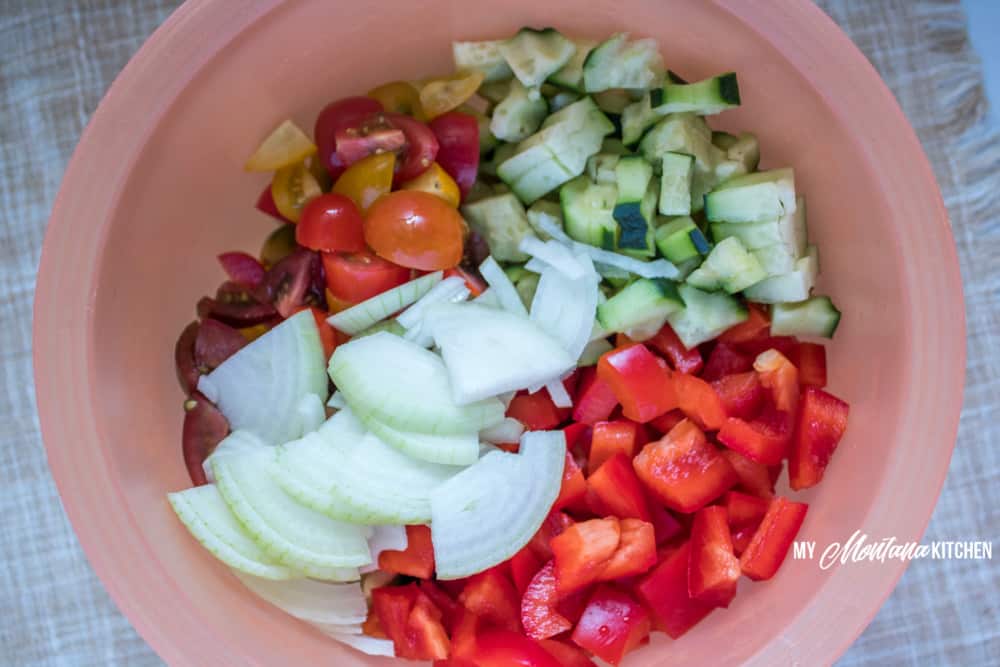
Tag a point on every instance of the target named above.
point(156, 189)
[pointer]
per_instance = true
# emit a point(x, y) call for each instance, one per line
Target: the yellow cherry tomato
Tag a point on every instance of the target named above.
point(292, 188)
point(285, 146)
point(367, 179)
point(400, 97)
point(438, 96)
point(436, 181)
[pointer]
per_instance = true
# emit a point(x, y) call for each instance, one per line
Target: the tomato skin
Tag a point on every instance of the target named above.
point(415, 229)
point(361, 275)
point(335, 116)
point(331, 222)
point(458, 153)
point(421, 147)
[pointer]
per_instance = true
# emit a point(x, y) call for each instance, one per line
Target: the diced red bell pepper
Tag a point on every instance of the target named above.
point(724, 360)
point(539, 615)
point(772, 539)
point(636, 551)
point(619, 490)
point(638, 381)
point(664, 591)
point(753, 440)
point(821, 425)
point(713, 568)
point(743, 509)
point(575, 434)
point(811, 362)
point(665, 525)
point(754, 478)
point(574, 485)
point(491, 596)
point(503, 648)
point(582, 551)
point(670, 346)
point(524, 565)
point(667, 421)
point(571, 606)
point(787, 345)
point(774, 472)
point(742, 537)
point(566, 655)
point(463, 635)
point(536, 411)
point(595, 400)
point(742, 395)
point(779, 375)
point(612, 624)
point(417, 560)
point(411, 621)
point(757, 326)
point(682, 470)
point(372, 627)
point(442, 600)
point(541, 543)
point(698, 400)
point(608, 439)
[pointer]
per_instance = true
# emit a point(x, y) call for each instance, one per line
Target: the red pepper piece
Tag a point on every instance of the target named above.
point(670, 346)
point(682, 470)
point(636, 551)
point(503, 648)
point(450, 609)
point(753, 441)
point(539, 615)
point(608, 439)
point(772, 539)
point(638, 381)
point(582, 551)
point(742, 537)
point(779, 375)
point(491, 596)
point(463, 636)
point(566, 655)
point(665, 525)
point(664, 591)
point(576, 433)
point(574, 485)
point(724, 360)
point(754, 478)
point(619, 489)
point(612, 624)
point(667, 421)
point(541, 543)
point(595, 399)
point(821, 424)
point(417, 560)
point(524, 565)
point(713, 568)
point(411, 621)
point(742, 395)
point(811, 362)
point(698, 400)
point(536, 411)
point(757, 326)
point(786, 345)
point(743, 509)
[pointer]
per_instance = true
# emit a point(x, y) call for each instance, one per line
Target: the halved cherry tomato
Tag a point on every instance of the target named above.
point(420, 150)
point(440, 95)
point(361, 275)
point(331, 222)
point(279, 244)
point(375, 134)
point(285, 146)
point(265, 204)
point(399, 97)
point(458, 153)
point(473, 281)
point(415, 229)
point(292, 188)
point(336, 115)
point(367, 179)
point(437, 182)
point(204, 428)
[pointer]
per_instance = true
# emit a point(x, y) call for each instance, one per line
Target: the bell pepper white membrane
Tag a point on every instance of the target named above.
point(259, 388)
point(357, 318)
point(489, 511)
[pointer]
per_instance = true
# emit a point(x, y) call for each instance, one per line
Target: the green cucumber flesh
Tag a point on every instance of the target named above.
point(816, 316)
point(641, 301)
point(705, 315)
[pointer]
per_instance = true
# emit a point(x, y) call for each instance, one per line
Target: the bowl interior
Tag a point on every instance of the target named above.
point(187, 199)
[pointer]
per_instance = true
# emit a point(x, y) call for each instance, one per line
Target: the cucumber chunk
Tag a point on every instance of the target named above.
point(632, 175)
point(588, 212)
point(601, 168)
point(519, 114)
point(620, 63)
point(757, 197)
point(501, 220)
point(729, 266)
point(705, 315)
point(674, 240)
point(570, 75)
point(534, 55)
point(788, 287)
point(482, 56)
point(813, 317)
point(704, 98)
point(645, 300)
point(676, 170)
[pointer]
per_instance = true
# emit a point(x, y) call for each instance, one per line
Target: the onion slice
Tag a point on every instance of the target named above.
point(313, 601)
point(357, 318)
point(505, 290)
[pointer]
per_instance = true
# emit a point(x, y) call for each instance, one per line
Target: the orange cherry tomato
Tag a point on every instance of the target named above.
point(415, 229)
point(437, 182)
point(367, 179)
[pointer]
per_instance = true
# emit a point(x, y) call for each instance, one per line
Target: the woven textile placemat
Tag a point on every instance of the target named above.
point(59, 56)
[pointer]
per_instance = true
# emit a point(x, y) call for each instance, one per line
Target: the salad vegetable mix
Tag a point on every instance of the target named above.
point(513, 379)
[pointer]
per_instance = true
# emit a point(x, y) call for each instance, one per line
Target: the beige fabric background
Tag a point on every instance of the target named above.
point(59, 56)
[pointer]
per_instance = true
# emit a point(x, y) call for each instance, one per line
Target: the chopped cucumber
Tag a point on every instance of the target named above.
point(495, 91)
point(613, 101)
point(613, 146)
point(675, 240)
point(519, 114)
point(402, 385)
point(730, 266)
point(527, 286)
point(601, 168)
point(588, 212)
point(789, 231)
point(632, 175)
point(813, 317)
point(775, 259)
point(620, 63)
point(704, 98)
point(570, 75)
point(788, 287)
point(205, 514)
point(745, 151)
point(562, 99)
point(676, 170)
point(705, 315)
point(482, 56)
point(724, 140)
point(487, 142)
point(685, 133)
point(544, 212)
point(501, 220)
point(642, 301)
point(757, 197)
point(534, 55)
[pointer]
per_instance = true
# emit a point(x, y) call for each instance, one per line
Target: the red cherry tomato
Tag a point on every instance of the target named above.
point(331, 222)
point(415, 229)
point(361, 275)
point(336, 116)
point(458, 153)
point(420, 150)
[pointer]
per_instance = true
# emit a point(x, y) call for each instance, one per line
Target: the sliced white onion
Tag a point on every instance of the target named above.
point(443, 291)
point(358, 318)
point(506, 398)
point(565, 307)
point(535, 265)
point(560, 397)
point(336, 401)
point(384, 538)
point(489, 297)
point(612, 272)
point(313, 601)
point(553, 253)
point(237, 442)
point(509, 430)
point(505, 290)
point(364, 643)
point(311, 413)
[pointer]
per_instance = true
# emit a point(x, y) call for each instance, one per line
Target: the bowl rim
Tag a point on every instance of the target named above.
point(62, 336)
